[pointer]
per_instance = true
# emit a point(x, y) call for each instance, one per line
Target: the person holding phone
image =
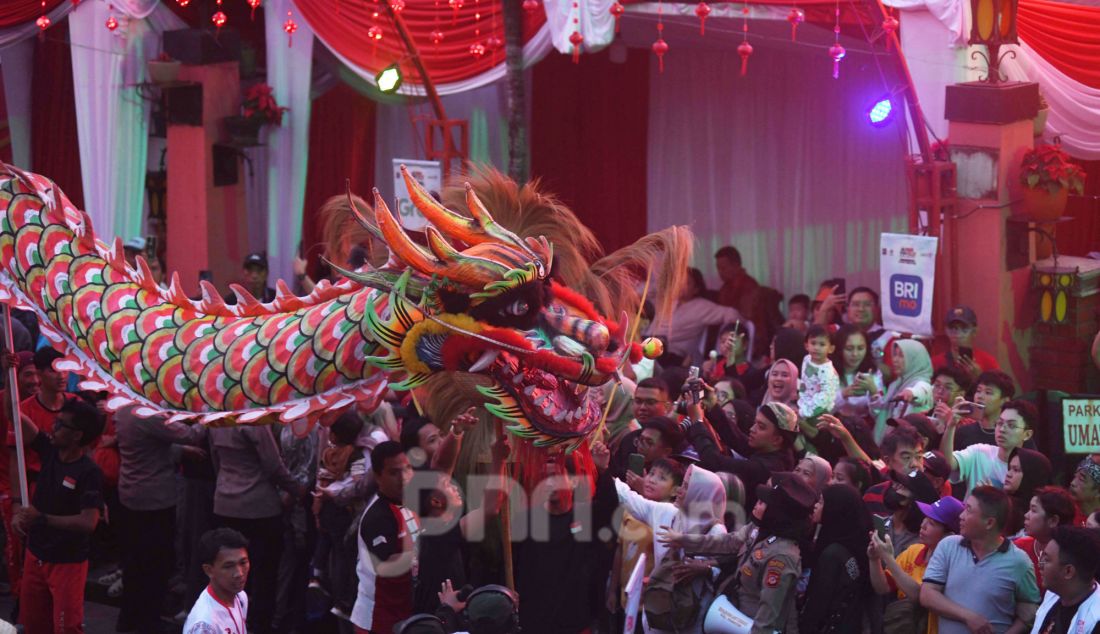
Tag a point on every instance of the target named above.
point(961, 327)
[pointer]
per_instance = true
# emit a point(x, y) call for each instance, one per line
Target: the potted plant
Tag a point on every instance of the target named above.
point(163, 69)
point(258, 109)
point(1048, 174)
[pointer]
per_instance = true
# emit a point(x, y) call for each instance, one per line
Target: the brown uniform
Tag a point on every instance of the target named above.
point(767, 572)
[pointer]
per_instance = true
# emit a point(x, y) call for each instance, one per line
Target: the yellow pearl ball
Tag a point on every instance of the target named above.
point(653, 347)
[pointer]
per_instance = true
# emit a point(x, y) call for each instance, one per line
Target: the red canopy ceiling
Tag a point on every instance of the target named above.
point(1066, 35)
point(344, 27)
point(13, 12)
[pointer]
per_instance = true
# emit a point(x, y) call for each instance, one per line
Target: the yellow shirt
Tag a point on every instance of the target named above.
point(913, 561)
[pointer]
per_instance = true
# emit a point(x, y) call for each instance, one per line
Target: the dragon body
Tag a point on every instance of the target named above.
point(478, 299)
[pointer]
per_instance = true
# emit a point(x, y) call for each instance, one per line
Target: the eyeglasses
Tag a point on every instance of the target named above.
point(1007, 426)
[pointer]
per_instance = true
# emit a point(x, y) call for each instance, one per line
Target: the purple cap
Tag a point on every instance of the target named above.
point(946, 511)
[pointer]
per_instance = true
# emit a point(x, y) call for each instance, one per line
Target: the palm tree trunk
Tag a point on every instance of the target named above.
point(517, 91)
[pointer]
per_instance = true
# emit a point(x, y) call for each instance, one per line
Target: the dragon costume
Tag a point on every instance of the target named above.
point(480, 299)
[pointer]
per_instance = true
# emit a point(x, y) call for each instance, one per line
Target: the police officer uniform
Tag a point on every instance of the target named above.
point(762, 586)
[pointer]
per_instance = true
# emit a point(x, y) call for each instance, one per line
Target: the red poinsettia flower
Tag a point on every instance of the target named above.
point(259, 103)
point(1050, 168)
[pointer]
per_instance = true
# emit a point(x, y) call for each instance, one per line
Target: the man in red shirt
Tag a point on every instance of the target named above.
point(27, 381)
point(42, 408)
point(737, 284)
point(960, 326)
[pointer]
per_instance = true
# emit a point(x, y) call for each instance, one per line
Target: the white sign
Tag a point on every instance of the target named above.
point(1081, 425)
point(430, 175)
point(908, 273)
point(634, 594)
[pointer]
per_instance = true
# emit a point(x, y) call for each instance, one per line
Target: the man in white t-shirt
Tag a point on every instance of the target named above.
point(223, 605)
point(984, 464)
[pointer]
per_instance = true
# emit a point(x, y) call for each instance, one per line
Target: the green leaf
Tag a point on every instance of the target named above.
point(1032, 180)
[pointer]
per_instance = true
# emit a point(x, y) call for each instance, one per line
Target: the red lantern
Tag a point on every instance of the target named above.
point(111, 24)
point(477, 49)
point(254, 4)
point(530, 6)
point(183, 3)
point(43, 22)
point(660, 47)
point(617, 11)
point(218, 19)
point(576, 39)
point(397, 5)
point(702, 10)
point(795, 17)
point(375, 33)
point(837, 52)
point(437, 36)
point(493, 43)
point(290, 26)
point(744, 49)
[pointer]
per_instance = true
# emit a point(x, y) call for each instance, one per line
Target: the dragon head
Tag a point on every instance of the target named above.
point(479, 299)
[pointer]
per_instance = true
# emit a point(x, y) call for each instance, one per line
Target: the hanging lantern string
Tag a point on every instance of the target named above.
point(744, 49)
point(660, 47)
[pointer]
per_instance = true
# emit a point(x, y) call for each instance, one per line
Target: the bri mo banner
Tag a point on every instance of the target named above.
point(908, 274)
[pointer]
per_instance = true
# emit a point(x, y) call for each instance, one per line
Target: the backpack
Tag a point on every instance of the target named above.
point(668, 604)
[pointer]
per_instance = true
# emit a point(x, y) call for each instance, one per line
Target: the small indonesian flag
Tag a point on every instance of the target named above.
point(69, 482)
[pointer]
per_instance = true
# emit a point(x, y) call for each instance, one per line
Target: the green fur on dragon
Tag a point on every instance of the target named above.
point(487, 306)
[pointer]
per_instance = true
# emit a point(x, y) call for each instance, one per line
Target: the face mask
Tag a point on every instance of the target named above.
point(893, 500)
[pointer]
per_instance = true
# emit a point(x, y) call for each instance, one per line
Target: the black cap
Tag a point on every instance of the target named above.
point(255, 259)
point(788, 492)
point(935, 464)
point(918, 484)
point(965, 314)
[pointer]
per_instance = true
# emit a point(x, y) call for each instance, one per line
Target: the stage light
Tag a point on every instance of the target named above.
point(879, 114)
point(389, 79)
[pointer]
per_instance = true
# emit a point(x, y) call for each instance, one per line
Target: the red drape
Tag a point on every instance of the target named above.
point(1083, 234)
point(589, 138)
point(54, 146)
point(341, 147)
point(1066, 35)
point(13, 12)
point(344, 26)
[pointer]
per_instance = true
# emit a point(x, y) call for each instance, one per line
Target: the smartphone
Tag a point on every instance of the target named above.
point(880, 526)
point(966, 353)
point(970, 409)
point(694, 395)
point(636, 463)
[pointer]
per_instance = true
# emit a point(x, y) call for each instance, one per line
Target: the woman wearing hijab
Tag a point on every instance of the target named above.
point(699, 510)
point(839, 581)
point(911, 389)
point(816, 471)
point(1028, 471)
point(782, 384)
point(788, 344)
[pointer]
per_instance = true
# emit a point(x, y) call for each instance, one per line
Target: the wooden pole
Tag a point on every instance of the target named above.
point(414, 54)
point(16, 418)
point(506, 522)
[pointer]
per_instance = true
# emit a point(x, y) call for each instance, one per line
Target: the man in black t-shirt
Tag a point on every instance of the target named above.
point(59, 522)
point(1069, 563)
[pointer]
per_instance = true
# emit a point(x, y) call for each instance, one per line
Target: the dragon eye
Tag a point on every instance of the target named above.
point(517, 308)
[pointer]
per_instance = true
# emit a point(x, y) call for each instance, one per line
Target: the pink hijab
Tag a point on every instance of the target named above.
point(790, 395)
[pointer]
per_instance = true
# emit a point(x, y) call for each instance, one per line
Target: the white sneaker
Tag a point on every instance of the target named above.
point(115, 590)
point(111, 577)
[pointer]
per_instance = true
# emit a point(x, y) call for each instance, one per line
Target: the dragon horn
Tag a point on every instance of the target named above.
point(358, 213)
point(447, 221)
point(488, 225)
point(452, 257)
point(401, 245)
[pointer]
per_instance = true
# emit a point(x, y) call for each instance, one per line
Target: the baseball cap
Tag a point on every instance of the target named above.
point(945, 510)
point(935, 464)
point(961, 313)
point(788, 492)
point(919, 486)
point(490, 610)
point(255, 259)
point(921, 423)
point(134, 244)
